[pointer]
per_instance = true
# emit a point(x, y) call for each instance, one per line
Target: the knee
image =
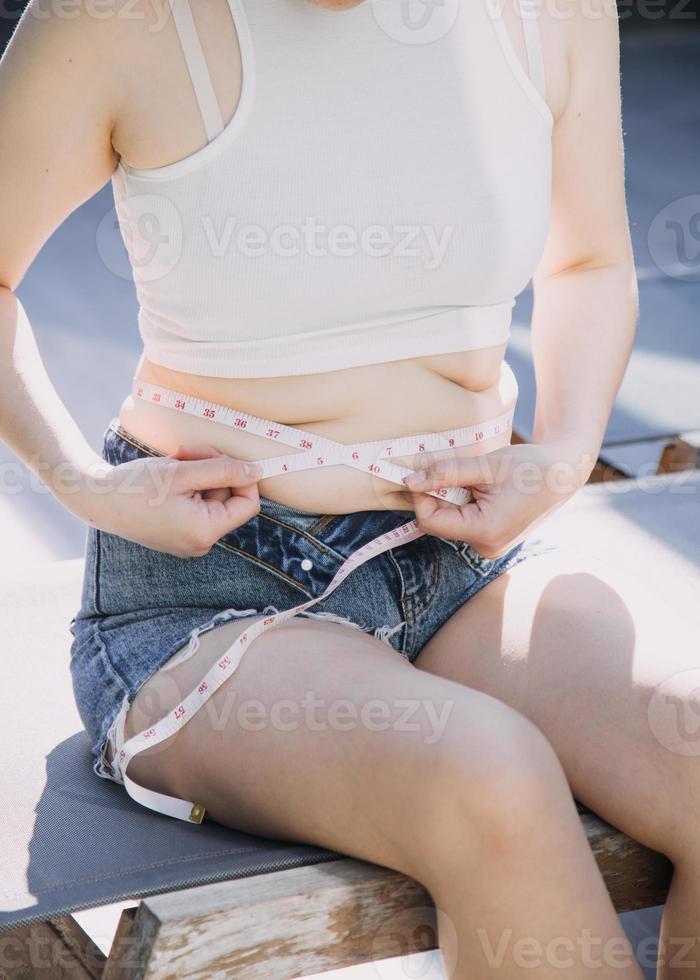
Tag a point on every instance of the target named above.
point(493, 792)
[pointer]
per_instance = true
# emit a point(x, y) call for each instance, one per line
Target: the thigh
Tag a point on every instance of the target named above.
point(328, 736)
point(585, 650)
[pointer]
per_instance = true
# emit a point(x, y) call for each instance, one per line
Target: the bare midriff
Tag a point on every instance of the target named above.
point(360, 404)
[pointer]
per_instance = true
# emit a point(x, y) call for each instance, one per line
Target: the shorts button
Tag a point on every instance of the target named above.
point(307, 564)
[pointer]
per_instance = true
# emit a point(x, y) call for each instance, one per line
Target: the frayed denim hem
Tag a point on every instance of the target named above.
point(381, 632)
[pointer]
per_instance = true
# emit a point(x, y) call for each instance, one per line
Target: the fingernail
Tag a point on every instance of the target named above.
point(417, 477)
point(252, 469)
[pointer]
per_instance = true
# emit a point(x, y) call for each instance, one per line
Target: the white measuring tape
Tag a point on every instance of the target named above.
point(317, 451)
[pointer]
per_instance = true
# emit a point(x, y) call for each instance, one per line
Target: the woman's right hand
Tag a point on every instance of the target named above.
point(180, 504)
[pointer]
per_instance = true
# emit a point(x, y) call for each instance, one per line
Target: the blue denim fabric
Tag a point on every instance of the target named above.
point(140, 606)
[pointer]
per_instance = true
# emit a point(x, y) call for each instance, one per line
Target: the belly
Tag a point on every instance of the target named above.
point(361, 404)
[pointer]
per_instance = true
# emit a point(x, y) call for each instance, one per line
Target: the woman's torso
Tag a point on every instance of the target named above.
point(160, 123)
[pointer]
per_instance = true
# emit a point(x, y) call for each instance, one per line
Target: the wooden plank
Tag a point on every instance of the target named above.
point(304, 921)
point(126, 954)
point(635, 876)
point(43, 949)
point(282, 924)
point(76, 939)
point(682, 453)
point(669, 454)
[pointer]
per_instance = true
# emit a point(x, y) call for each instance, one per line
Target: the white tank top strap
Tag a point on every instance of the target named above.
point(529, 14)
point(197, 67)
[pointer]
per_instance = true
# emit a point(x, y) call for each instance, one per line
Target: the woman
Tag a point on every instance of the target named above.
point(329, 209)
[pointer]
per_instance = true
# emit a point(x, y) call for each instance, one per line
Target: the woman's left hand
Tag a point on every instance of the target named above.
point(513, 488)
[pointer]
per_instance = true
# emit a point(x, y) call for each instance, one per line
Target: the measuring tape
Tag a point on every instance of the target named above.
point(317, 451)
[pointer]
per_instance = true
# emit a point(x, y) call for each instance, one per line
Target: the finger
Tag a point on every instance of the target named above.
point(452, 471)
point(221, 493)
point(199, 450)
point(225, 516)
point(220, 471)
point(447, 520)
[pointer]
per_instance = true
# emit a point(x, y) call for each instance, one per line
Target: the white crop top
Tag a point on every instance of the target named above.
point(381, 192)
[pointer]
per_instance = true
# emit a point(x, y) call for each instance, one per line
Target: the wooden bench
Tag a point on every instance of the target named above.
point(297, 923)
point(339, 912)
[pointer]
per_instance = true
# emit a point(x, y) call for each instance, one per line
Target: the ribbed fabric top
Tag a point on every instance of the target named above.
point(381, 192)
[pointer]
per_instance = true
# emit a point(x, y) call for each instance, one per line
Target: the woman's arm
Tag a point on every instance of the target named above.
point(584, 316)
point(55, 152)
point(60, 91)
point(35, 423)
point(585, 288)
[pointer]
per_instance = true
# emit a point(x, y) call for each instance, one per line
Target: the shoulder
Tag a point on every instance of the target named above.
point(88, 49)
point(63, 78)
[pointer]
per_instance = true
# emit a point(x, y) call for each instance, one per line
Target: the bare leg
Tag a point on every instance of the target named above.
point(610, 675)
point(465, 795)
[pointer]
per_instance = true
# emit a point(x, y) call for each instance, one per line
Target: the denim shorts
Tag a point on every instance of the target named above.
point(139, 606)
